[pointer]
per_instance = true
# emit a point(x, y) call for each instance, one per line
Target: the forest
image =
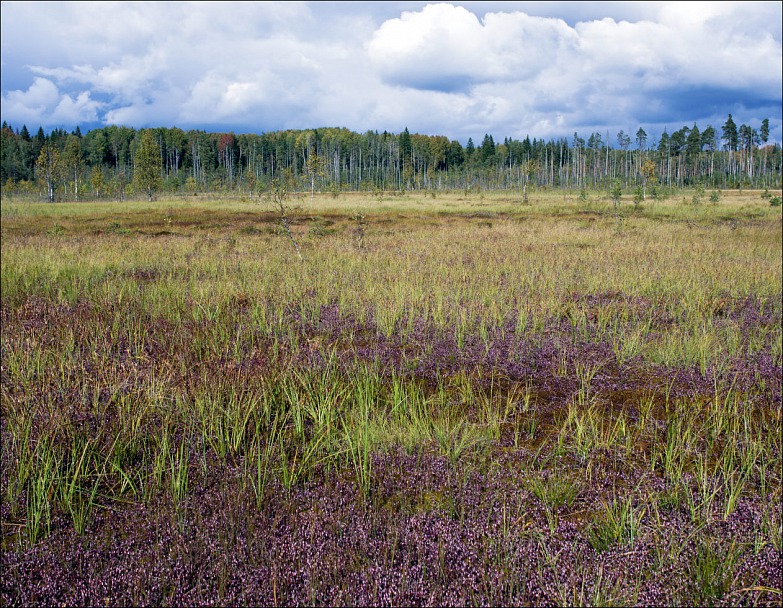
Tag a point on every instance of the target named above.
point(117, 162)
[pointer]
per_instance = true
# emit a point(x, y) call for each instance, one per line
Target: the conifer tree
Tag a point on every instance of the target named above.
point(730, 134)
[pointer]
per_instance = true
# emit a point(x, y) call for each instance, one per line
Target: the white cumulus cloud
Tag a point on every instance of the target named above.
point(43, 98)
point(446, 48)
point(459, 69)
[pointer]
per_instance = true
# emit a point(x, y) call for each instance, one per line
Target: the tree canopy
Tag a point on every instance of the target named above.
point(117, 161)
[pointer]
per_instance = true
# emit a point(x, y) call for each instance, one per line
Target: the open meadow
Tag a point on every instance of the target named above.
point(455, 399)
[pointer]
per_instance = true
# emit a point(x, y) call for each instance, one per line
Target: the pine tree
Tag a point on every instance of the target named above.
point(731, 135)
point(764, 131)
point(406, 152)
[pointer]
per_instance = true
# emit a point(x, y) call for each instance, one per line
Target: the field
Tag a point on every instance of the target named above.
point(461, 399)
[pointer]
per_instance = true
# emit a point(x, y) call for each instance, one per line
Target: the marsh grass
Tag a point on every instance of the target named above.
point(79, 485)
point(41, 492)
point(712, 570)
point(472, 385)
point(617, 521)
point(555, 491)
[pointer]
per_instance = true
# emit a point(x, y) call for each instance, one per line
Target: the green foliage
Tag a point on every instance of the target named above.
point(638, 196)
point(277, 195)
point(202, 378)
point(361, 224)
point(698, 195)
point(49, 170)
point(712, 569)
point(618, 521)
point(79, 484)
point(338, 160)
point(56, 230)
point(616, 192)
point(320, 227)
point(40, 491)
point(97, 181)
point(147, 174)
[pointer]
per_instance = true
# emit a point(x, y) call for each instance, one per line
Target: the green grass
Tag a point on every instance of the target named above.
point(152, 349)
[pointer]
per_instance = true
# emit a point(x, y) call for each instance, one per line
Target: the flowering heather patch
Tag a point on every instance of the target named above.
point(441, 543)
point(441, 420)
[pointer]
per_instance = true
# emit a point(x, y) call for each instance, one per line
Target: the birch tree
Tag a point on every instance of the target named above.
point(148, 166)
point(48, 169)
point(72, 161)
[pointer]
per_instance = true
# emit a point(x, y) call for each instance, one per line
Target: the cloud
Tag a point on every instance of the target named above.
point(39, 98)
point(70, 111)
point(459, 69)
point(692, 43)
point(223, 97)
point(685, 63)
point(446, 48)
point(153, 61)
point(44, 100)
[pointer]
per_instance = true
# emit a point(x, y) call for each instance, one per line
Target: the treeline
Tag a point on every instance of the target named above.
point(109, 161)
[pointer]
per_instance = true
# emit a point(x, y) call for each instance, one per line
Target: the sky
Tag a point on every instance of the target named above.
point(460, 69)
